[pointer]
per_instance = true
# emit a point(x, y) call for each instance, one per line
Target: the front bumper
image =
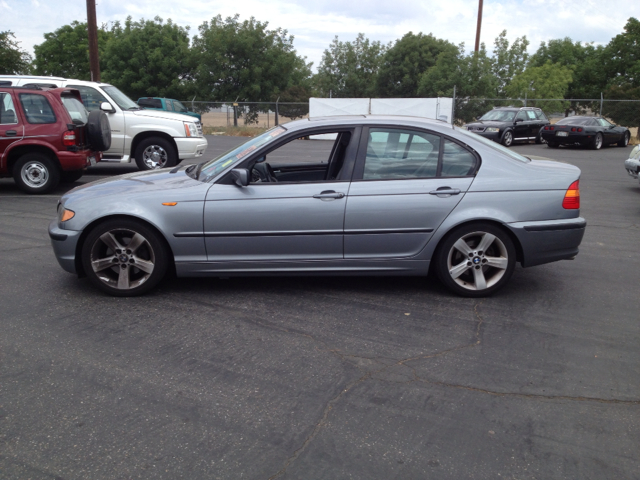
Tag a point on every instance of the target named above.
point(191, 147)
point(549, 240)
point(495, 136)
point(632, 166)
point(64, 243)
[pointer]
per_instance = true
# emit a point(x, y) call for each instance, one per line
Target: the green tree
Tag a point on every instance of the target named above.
point(623, 113)
point(471, 75)
point(294, 102)
point(65, 52)
point(622, 56)
point(13, 60)
point(245, 61)
point(149, 58)
point(508, 60)
point(551, 80)
point(349, 69)
point(406, 61)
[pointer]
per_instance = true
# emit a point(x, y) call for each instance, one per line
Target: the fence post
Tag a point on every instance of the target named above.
point(277, 111)
point(453, 106)
point(235, 114)
point(601, 100)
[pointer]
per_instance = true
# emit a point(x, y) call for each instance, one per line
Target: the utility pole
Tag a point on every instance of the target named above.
point(479, 25)
point(92, 27)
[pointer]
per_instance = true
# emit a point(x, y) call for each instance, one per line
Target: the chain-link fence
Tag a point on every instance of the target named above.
point(249, 114)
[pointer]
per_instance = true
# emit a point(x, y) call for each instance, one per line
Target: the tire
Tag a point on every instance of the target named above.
point(507, 138)
point(116, 269)
point(99, 131)
point(470, 271)
point(154, 152)
point(539, 139)
point(597, 142)
point(625, 140)
point(552, 145)
point(71, 176)
point(36, 173)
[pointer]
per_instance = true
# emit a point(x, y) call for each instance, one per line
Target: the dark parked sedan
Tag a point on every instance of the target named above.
point(593, 132)
point(373, 195)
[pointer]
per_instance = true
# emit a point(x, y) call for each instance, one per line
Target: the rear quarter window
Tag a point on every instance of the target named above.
point(37, 108)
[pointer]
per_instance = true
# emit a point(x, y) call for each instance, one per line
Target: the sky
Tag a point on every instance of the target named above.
point(314, 23)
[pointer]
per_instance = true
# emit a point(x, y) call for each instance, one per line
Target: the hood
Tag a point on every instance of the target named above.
point(487, 123)
point(132, 184)
point(163, 114)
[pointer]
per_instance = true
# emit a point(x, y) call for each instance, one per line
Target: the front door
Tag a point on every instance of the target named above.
point(405, 184)
point(293, 209)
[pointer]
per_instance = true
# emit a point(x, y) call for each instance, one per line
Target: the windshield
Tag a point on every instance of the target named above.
point(178, 106)
point(213, 167)
point(493, 145)
point(124, 102)
point(76, 109)
point(499, 115)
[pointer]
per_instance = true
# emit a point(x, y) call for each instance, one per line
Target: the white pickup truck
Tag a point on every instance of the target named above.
point(155, 139)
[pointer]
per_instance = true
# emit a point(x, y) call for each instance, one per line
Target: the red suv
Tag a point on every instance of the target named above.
point(46, 136)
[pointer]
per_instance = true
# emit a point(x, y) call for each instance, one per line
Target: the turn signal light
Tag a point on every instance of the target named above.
point(572, 197)
point(69, 139)
point(67, 215)
point(169, 204)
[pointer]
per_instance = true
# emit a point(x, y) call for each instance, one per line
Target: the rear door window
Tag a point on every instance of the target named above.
point(37, 108)
point(457, 161)
point(7, 111)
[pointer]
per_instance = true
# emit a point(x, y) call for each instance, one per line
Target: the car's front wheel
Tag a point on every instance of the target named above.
point(624, 141)
point(36, 173)
point(155, 152)
point(507, 138)
point(124, 257)
point(475, 260)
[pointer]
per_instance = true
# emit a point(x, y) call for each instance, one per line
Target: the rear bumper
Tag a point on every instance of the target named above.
point(575, 139)
point(191, 147)
point(64, 243)
point(550, 240)
point(77, 160)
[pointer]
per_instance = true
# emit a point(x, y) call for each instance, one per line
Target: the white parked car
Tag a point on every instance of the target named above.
point(155, 139)
point(632, 164)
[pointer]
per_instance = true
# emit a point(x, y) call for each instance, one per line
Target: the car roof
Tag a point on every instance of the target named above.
point(346, 120)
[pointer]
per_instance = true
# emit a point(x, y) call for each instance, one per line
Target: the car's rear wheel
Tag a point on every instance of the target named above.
point(625, 140)
point(475, 260)
point(507, 138)
point(36, 173)
point(71, 176)
point(154, 152)
point(597, 142)
point(124, 257)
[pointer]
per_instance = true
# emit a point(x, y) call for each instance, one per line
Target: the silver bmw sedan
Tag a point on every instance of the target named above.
point(369, 195)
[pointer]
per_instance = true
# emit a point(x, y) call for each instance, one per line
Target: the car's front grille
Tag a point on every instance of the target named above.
point(199, 127)
point(476, 129)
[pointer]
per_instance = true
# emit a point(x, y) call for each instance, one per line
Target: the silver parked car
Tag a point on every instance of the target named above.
point(368, 195)
point(632, 164)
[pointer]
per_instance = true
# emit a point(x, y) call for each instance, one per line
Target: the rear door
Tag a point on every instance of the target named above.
point(406, 182)
point(11, 126)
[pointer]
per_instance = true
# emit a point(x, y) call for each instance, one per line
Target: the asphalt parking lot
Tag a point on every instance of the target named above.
point(326, 378)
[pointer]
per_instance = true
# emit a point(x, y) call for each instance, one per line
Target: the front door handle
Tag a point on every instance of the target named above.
point(11, 133)
point(445, 191)
point(328, 194)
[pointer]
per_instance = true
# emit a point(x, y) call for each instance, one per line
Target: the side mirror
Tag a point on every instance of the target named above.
point(517, 120)
point(240, 176)
point(107, 107)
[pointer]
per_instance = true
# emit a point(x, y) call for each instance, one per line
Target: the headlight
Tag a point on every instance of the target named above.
point(492, 129)
point(190, 129)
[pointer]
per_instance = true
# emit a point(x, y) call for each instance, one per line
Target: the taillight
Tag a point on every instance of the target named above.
point(552, 128)
point(69, 139)
point(572, 197)
point(580, 129)
point(573, 129)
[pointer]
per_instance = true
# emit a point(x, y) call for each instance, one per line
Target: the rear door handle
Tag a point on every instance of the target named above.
point(11, 133)
point(445, 191)
point(328, 194)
